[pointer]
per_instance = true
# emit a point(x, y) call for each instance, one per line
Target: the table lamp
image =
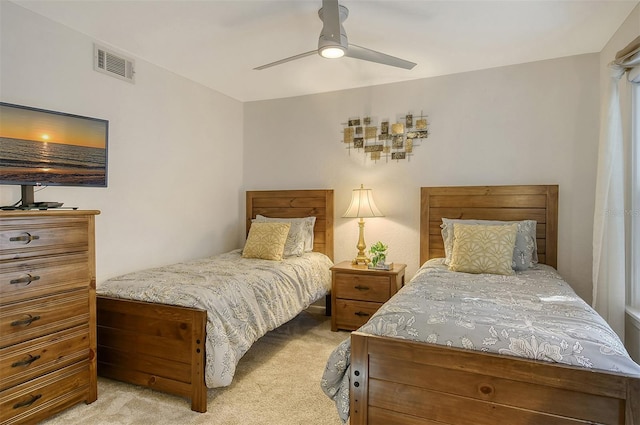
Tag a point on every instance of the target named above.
point(362, 206)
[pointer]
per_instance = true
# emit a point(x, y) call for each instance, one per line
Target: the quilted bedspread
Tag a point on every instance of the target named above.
point(244, 298)
point(534, 314)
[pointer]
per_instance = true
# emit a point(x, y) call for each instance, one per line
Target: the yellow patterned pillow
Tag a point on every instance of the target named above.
point(266, 241)
point(483, 249)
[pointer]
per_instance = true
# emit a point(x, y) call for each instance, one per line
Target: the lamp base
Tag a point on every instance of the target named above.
point(361, 260)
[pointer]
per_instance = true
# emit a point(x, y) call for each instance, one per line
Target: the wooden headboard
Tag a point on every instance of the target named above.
point(509, 203)
point(297, 203)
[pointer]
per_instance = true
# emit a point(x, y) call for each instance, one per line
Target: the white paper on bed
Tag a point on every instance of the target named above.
point(534, 314)
point(244, 298)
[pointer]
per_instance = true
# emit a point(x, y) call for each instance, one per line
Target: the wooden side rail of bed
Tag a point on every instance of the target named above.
point(411, 383)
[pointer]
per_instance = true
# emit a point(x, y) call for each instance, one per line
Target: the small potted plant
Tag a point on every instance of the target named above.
point(379, 254)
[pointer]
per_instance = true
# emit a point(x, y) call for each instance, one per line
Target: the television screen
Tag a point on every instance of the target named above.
point(40, 147)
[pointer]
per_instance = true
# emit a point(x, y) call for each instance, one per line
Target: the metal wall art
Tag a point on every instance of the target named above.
point(388, 141)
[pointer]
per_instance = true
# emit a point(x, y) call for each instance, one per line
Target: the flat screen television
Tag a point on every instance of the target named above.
point(47, 148)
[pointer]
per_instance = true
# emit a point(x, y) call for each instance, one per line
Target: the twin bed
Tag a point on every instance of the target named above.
point(460, 348)
point(183, 328)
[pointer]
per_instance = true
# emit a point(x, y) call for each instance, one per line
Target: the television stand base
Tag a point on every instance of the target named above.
point(42, 205)
point(36, 206)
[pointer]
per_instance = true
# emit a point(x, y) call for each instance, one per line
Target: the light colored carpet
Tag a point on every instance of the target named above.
point(277, 382)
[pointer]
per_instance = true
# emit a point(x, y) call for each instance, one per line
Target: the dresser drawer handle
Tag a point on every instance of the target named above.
point(27, 238)
point(361, 314)
point(27, 362)
point(28, 279)
point(362, 288)
point(27, 403)
point(26, 321)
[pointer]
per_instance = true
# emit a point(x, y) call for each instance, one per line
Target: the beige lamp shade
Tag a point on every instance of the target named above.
point(362, 204)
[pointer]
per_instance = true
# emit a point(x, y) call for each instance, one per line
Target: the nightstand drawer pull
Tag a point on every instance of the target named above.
point(362, 288)
point(29, 320)
point(28, 238)
point(27, 403)
point(27, 362)
point(361, 314)
point(26, 280)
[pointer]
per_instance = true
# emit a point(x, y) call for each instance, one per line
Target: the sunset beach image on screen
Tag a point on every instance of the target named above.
point(51, 148)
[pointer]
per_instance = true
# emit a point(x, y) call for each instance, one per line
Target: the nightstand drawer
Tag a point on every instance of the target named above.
point(353, 314)
point(361, 287)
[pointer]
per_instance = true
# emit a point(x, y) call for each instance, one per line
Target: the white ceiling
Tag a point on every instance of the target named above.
point(218, 43)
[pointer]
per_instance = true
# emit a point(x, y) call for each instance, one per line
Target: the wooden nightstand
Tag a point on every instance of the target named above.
point(357, 292)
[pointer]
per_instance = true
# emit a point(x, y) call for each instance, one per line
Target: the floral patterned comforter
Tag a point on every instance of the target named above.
point(244, 298)
point(533, 314)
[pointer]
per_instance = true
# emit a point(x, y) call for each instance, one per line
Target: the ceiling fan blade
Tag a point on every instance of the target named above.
point(359, 52)
point(292, 58)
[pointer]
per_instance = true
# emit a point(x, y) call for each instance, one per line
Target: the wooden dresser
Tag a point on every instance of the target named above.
point(357, 292)
point(47, 313)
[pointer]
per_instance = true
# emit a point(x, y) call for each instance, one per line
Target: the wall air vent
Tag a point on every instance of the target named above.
point(112, 63)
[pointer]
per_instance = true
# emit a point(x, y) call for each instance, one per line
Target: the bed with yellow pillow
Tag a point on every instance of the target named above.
point(487, 331)
point(184, 327)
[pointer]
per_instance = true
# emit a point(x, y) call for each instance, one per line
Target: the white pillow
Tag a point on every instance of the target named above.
point(308, 224)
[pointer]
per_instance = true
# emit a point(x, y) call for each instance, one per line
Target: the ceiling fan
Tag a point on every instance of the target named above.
point(333, 42)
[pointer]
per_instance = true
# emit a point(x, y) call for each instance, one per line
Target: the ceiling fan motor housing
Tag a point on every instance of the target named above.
point(333, 35)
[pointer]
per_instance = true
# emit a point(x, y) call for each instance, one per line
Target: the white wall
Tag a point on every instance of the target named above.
point(175, 147)
point(535, 123)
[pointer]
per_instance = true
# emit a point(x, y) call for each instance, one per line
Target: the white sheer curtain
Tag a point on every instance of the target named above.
point(609, 244)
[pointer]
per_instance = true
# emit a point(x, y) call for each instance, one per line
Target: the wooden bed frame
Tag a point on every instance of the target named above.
point(162, 346)
point(402, 382)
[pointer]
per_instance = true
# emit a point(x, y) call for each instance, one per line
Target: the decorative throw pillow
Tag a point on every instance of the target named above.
point(294, 246)
point(307, 222)
point(483, 249)
point(266, 241)
point(525, 252)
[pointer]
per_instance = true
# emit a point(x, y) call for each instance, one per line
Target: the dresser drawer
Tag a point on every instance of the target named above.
point(37, 277)
point(31, 319)
point(35, 400)
point(362, 287)
point(23, 238)
point(21, 362)
point(353, 314)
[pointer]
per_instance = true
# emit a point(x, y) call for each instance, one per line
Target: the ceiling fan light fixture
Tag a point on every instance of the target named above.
point(332, 52)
